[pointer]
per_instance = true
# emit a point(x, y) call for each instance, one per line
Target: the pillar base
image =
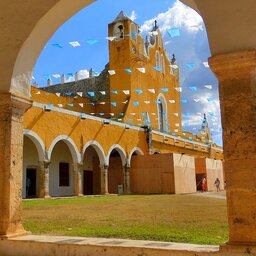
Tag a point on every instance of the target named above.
point(16, 234)
point(237, 249)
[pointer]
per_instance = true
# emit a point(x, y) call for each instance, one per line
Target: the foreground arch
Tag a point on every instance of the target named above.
point(234, 67)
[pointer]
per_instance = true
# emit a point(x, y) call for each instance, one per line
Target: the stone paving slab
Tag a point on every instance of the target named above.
point(117, 242)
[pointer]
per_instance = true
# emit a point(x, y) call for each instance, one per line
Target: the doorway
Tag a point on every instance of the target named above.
point(88, 183)
point(31, 182)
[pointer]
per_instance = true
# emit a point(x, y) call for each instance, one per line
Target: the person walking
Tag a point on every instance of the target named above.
point(204, 184)
point(217, 184)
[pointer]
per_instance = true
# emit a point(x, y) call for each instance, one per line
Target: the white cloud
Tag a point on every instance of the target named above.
point(178, 16)
point(83, 74)
point(133, 16)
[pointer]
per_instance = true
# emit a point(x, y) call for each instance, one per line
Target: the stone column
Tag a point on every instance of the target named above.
point(78, 167)
point(127, 189)
point(104, 179)
point(44, 179)
point(236, 73)
point(11, 163)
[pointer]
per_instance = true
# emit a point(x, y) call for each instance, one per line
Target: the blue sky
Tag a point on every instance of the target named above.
point(200, 92)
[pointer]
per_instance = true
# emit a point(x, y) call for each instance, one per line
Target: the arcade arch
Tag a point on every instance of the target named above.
point(116, 161)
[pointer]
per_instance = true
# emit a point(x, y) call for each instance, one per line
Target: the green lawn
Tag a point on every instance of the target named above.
point(174, 218)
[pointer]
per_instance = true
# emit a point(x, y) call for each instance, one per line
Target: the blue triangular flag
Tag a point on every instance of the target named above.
point(92, 94)
point(127, 70)
point(113, 104)
point(184, 101)
point(115, 92)
point(71, 105)
point(58, 45)
point(174, 32)
point(91, 42)
point(157, 68)
point(165, 89)
point(190, 65)
point(192, 88)
point(138, 91)
point(136, 103)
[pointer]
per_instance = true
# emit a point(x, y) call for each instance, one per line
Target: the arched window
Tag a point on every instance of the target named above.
point(161, 116)
point(160, 42)
point(162, 64)
point(158, 62)
point(118, 31)
point(134, 32)
point(162, 113)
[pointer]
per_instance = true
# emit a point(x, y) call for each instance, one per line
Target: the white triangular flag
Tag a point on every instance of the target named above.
point(147, 101)
point(58, 94)
point(74, 44)
point(102, 103)
point(206, 64)
point(142, 70)
point(110, 38)
point(81, 105)
point(111, 72)
point(176, 130)
point(126, 92)
point(174, 66)
point(60, 105)
point(80, 94)
point(38, 93)
point(152, 90)
point(196, 100)
point(56, 76)
point(176, 114)
point(208, 86)
point(125, 102)
point(177, 125)
point(178, 89)
point(133, 114)
point(103, 92)
point(172, 101)
point(153, 114)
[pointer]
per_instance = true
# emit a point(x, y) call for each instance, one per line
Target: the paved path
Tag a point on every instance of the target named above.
point(219, 195)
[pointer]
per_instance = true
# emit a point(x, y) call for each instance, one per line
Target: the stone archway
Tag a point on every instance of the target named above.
point(116, 161)
point(234, 64)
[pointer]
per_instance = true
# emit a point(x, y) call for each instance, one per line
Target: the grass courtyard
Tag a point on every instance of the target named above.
point(171, 218)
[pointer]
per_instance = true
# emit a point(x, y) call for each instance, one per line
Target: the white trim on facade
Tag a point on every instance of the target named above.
point(40, 146)
point(121, 152)
point(98, 148)
point(71, 145)
point(78, 114)
point(132, 151)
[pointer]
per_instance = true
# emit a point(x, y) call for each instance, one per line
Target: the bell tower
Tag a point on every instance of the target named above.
point(123, 49)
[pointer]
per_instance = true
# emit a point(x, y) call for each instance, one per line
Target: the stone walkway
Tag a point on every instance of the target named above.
point(218, 195)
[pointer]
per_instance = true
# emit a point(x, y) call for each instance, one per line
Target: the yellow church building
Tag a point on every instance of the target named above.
point(119, 132)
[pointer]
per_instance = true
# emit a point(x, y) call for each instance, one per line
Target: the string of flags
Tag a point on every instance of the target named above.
point(172, 32)
point(112, 72)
